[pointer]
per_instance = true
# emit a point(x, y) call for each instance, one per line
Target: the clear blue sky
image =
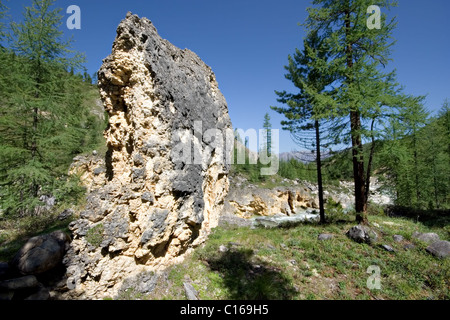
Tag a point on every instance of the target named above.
point(247, 42)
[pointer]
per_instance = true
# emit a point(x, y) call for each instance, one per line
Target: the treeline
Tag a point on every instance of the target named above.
point(411, 158)
point(46, 103)
point(415, 161)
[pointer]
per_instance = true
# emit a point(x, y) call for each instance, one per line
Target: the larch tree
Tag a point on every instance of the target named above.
point(365, 93)
point(303, 114)
point(37, 122)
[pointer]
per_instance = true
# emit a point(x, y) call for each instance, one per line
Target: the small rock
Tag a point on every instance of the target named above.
point(440, 249)
point(223, 249)
point(398, 238)
point(19, 283)
point(426, 237)
point(293, 262)
point(409, 246)
point(325, 236)
point(388, 248)
point(190, 291)
point(65, 214)
point(94, 153)
point(41, 294)
point(362, 234)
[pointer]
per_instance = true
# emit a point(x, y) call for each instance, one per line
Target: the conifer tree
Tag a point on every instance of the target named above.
point(268, 134)
point(365, 93)
point(40, 108)
point(303, 115)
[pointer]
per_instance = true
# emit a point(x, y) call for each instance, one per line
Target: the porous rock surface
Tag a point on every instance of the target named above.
point(166, 177)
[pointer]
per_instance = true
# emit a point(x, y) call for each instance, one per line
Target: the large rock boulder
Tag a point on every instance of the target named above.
point(41, 253)
point(429, 237)
point(166, 166)
point(440, 249)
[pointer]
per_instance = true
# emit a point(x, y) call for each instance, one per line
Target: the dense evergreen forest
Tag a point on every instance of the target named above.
point(48, 111)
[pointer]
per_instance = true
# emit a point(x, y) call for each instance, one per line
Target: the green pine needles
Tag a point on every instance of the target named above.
point(44, 117)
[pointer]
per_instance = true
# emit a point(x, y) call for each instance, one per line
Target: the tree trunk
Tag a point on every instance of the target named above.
point(358, 169)
point(319, 173)
point(357, 150)
point(369, 164)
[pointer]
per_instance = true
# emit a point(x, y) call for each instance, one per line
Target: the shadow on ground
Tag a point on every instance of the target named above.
point(248, 278)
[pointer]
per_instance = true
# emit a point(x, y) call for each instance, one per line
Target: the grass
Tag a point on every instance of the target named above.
point(293, 264)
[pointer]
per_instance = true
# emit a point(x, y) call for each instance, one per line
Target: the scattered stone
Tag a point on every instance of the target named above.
point(388, 248)
point(409, 246)
point(42, 294)
point(362, 234)
point(223, 249)
point(65, 214)
point(398, 238)
point(41, 253)
point(325, 236)
point(426, 237)
point(190, 291)
point(293, 262)
point(440, 249)
point(19, 283)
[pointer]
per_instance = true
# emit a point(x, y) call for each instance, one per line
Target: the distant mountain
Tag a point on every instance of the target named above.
point(303, 156)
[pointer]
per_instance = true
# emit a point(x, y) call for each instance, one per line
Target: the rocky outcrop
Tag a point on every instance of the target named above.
point(165, 169)
point(91, 170)
point(252, 201)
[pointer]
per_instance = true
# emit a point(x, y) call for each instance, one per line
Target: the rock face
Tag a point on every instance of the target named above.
point(166, 168)
point(269, 202)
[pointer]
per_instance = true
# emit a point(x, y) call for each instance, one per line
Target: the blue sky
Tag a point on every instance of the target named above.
point(247, 43)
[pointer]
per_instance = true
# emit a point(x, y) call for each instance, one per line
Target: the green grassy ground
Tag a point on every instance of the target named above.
point(293, 264)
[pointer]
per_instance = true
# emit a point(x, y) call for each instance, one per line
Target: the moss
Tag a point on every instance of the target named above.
point(95, 235)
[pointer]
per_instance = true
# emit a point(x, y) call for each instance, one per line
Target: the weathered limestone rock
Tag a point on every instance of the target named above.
point(166, 165)
point(248, 202)
point(91, 169)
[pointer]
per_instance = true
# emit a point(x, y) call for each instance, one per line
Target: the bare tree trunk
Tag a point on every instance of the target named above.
point(357, 150)
point(319, 173)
